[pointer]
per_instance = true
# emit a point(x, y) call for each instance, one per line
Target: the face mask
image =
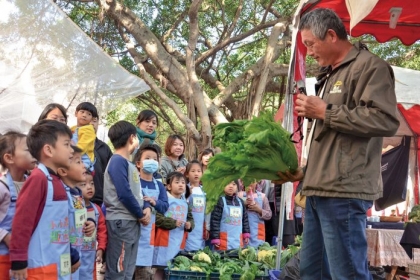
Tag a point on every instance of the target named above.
point(150, 166)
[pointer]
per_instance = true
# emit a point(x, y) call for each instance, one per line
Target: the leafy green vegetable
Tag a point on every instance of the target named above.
point(260, 139)
point(249, 254)
point(247, 275)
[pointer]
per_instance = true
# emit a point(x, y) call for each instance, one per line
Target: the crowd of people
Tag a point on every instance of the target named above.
point(136, 209)
point(69, 204)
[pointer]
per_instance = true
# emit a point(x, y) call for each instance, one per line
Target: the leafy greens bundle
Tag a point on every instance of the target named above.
point(252, 150)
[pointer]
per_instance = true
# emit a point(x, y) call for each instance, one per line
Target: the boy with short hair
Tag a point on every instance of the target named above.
point(125, 207)
point(80, 225)
point(93, 247)
point(40, 245)
point(84, 135)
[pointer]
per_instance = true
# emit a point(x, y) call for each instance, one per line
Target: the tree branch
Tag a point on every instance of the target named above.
point(196, 90)
point(268, 58)
point(235, 39)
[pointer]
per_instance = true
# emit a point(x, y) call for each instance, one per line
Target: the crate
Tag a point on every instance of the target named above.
point(414, 269)
point(180, 275)
point(216, 276)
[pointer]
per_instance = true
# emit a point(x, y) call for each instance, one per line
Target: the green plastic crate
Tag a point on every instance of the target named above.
point(178, 275)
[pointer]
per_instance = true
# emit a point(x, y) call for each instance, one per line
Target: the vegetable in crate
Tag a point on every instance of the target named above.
point(249, 254)
point(251, 150)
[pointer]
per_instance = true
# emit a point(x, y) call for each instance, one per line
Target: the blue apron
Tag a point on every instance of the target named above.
point(7, 221)
point(49, 246)
point(195, 240)
point(77, 219)
point(231, 226)
point(168, 243)
point(256, 224)
point(88, 257)
point(147, 233)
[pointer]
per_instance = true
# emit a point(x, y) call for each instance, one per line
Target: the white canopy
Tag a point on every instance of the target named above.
point(45, 57)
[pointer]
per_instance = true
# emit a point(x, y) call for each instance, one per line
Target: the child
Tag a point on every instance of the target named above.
point(93, 247)
point(197, 201)
point(125, 207)
point(259, 210)
point(15, 157)
point(40, 245)
point(78, 221)
point(84, 135)
point(174, 159)
point(146, 160)
point(229, 227)
point(171, 227)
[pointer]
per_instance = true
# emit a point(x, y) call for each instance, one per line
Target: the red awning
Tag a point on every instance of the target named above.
point(376, 22)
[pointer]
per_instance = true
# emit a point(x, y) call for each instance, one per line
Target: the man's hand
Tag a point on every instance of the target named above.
point(187, 225)
point(146, 217)
point(290, 177)
point(6, 240)
point(246, 241)
point(311, 107)
point(99, 256)
point(21, 274)
point(75, 267)
point(89, 228)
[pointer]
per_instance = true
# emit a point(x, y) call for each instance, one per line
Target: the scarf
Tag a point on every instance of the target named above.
point(141, 135)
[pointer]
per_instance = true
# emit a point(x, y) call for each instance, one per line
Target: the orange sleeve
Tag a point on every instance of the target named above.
point(101, 234)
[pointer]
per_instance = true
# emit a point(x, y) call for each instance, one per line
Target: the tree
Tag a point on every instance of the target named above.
point(209, 61)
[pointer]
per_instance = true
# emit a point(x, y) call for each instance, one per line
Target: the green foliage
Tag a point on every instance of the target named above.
point(251, 151)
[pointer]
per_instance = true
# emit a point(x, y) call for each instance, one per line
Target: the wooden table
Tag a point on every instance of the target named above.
point(384, 249)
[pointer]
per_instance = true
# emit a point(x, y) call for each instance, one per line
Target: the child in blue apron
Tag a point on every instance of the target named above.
point(146, 161)
point(41, 222)
point(197, 201)
point(16, 159)
point(229, 226)
point(258, 209)
point(79, 223)
point(93, 247)
point(173, 226)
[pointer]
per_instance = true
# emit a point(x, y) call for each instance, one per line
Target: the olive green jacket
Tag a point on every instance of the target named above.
point(345, 155)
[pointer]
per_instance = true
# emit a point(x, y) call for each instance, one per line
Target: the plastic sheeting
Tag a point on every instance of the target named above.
point(45, 57)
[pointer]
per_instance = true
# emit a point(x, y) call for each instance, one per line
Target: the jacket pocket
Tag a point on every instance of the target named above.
point(352, 158)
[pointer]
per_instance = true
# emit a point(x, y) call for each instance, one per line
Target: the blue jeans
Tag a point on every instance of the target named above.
point(334, 239)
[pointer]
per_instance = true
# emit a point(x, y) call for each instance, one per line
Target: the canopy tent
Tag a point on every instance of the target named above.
point(45, 57)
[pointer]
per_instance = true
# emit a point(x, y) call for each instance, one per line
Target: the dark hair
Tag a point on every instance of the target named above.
point(320, 20)
point(45, 132)
point(87, 106)
point(190, 164)
point(7, 144)
point(51, 107)
point(142, 149)
point(170, 141)
point(177, 175)
point(205, 152)
point(76, 150)
point(120, 132)
point(147, 115)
